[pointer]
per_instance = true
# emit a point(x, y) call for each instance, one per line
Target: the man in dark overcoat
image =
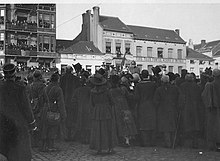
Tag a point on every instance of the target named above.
point(146, 110)
point(16, 118)
point(166, 101)
point(190, 98)
point(69, 83)
point(210, 97)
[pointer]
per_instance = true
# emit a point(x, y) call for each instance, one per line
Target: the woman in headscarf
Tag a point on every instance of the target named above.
point(103, 135)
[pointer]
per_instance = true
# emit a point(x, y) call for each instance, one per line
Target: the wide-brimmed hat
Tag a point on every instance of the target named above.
point(98, 79)
point(9, 70)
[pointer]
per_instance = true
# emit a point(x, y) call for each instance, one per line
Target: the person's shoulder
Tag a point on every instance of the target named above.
point(20, 85)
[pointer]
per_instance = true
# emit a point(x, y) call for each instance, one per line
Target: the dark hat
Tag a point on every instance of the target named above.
point(144, 73)
point(98, 79)
point(54, 77)
point(77, 67)
point(171, 76)
point(156, 70)
point(9, 70)
point(37, 74)
point(101, 71)
point(115, 79)
point(133, 62)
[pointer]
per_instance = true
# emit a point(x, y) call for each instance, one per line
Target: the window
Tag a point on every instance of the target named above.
point(46, 43)
point(149, 68)
point(118, 49)
point(140, 66)
point(170, 68)
point(40, 43)
point(170, 53)
point(2, 15)
point(89, 68)
point(179, 54)
point(139, 50)
point(201, 62)
point(180, 69)
point(127, 48)
point(46, 21)
point(97, 67)
point(52, 21)
point(149, 51)
point(160, 52)
point(40, 20)
point(191, 69)
point(192, 61)
point(108, 47)
point(53, 41)
point(200, 70)
point(2, 41)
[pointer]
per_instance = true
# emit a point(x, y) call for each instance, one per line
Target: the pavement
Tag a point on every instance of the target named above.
point(73, 151)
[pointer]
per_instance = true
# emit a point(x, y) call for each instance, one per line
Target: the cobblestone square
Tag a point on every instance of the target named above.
point(72, 151)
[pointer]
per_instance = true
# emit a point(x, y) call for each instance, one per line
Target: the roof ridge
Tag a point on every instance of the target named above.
point(151, 27)
point(108, 16)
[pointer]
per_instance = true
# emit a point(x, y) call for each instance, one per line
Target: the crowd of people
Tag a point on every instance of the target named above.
point(108, 109)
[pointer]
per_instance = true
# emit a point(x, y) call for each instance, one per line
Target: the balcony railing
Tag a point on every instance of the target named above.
point(22, 26)
point(12, 52)
point(47, 54)
point(161, 60)
point(18, 52)
point(25, 6)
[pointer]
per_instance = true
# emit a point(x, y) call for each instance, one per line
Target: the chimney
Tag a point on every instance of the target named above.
point(88, 12)
point(95, 25)
point(203, 43)
point(177, 31)
point(190, 45)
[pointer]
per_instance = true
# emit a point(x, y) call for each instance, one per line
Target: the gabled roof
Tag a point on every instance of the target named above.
point(209, 46)
point(155, 34)
point(192, 54)
point(113, 24)
point(63, 44)
point(83, 47)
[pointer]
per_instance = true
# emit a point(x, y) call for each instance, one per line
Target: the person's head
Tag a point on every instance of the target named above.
point(144, 74)
point(115, 80)
point(69, 69)
point(98, 80)
point(133, 63)
point(9, 71)
point(216, 73)
point(172, 76)
point(165, 79)
point(37, 75)
point(189, 77)
point(30, 78)
point(54, 77)
point(183, 73)
point(136, 77)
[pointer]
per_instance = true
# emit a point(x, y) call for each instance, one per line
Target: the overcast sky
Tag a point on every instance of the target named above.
point(196, 21)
